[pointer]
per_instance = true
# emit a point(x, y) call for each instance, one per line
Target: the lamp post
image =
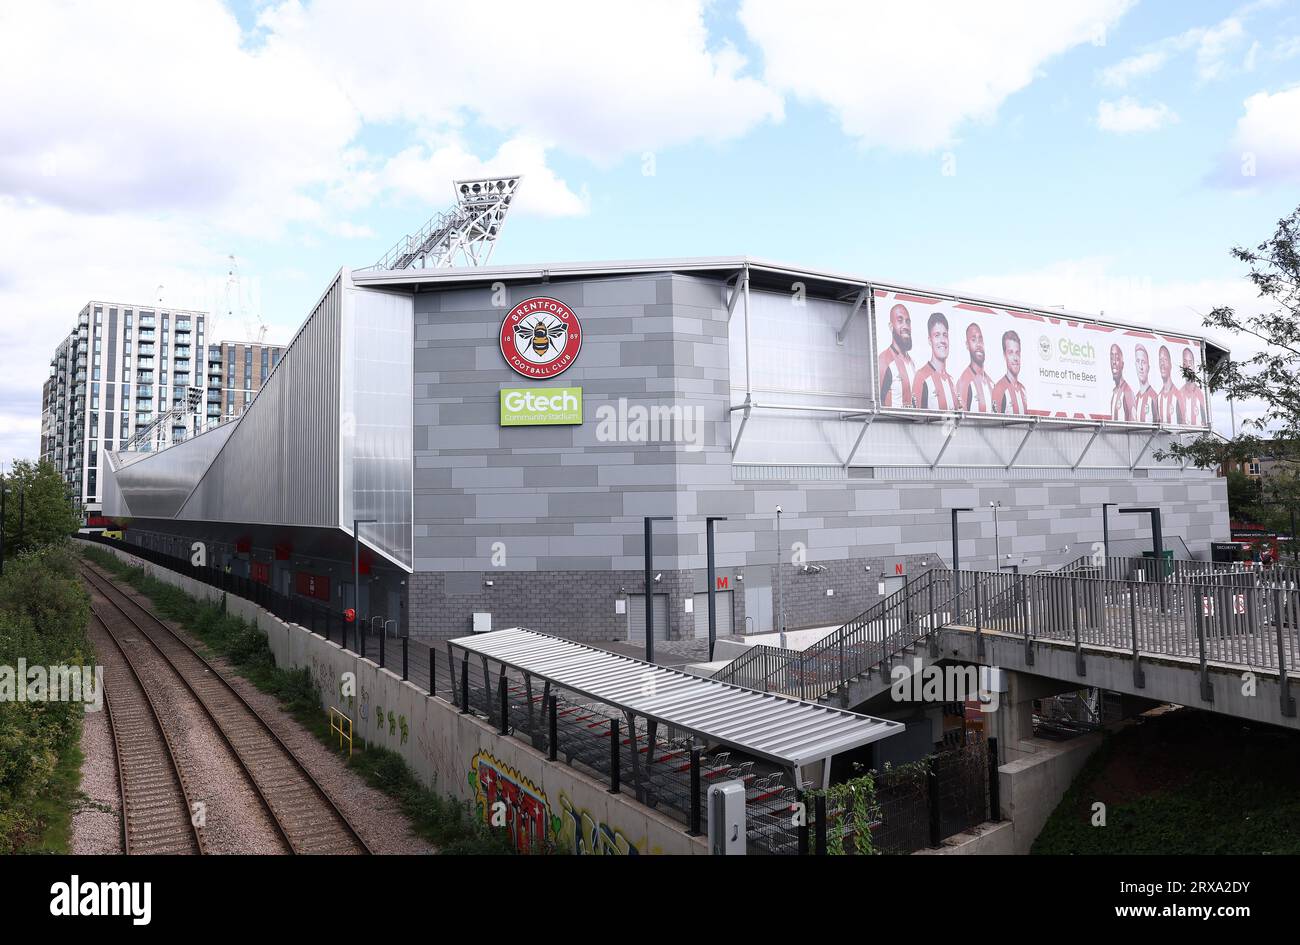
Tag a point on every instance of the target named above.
point(1157, 545)
point(713, 579)
point(780, 581)
point(356, 575)
point(4, 487)
point(997, 542)
point(1105, 533)
point(956, 562)
point(650, 584)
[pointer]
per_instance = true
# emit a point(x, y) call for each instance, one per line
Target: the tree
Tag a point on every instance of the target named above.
point(1243, 496)
point(38, 501)
point(1268, 377)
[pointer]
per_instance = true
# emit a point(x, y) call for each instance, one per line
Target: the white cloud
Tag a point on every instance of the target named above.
point(1129, 115)
point(1266, 143)
point(1120, 74)
point(909, 76)
point(1215, 45)
point(600, 77)
point(1215, 49)
point(158, 106)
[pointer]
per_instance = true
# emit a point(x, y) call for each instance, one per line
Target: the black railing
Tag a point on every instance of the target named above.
point(869, 642)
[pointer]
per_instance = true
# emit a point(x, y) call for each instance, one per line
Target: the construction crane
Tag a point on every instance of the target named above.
point(253, 325)
point(466, 234)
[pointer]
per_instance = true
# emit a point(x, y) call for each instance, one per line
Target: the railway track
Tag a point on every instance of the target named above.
point(157, 811)
point(307, 819)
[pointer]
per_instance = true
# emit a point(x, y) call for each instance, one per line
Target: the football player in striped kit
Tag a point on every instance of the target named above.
point(933, 388)
point(896, 367)
point(1121, 400)
point(1193, 395)
point(1146, 402)
point(1009, 393)
point(974, 389)
point(1171, 401)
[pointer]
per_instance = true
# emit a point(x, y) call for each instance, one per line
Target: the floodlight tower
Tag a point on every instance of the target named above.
point(464, 235)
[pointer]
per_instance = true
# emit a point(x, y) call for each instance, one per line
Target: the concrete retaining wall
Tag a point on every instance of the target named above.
point(457, 754)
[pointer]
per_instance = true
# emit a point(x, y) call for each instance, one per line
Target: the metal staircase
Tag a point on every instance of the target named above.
point(869, 644)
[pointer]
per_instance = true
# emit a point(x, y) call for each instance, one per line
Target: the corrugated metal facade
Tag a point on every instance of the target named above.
point(156, 486)
point(281, 463)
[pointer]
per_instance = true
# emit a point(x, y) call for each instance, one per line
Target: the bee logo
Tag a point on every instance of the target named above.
point(540, 338)
point(540, 335)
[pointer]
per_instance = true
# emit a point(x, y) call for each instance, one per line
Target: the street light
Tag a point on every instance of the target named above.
point(650, 584)
point(997, 543)
point(1157, 544)
point(4, 487)
point(713, 579)
point(780, 581)
point(1105, 533)
point(956, 562)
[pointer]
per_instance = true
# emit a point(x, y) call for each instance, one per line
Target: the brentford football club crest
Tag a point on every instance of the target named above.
point(541, 338)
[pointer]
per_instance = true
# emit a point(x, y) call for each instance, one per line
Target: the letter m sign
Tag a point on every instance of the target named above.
point(722, 583)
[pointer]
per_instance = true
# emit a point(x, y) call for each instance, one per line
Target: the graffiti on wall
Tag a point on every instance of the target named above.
point(583, 835)
point(506, 799)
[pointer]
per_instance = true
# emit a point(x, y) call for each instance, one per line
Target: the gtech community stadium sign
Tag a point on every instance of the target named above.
point(541, 338)
point(937, 354)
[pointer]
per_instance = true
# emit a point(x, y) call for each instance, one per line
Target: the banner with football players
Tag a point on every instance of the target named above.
point(936, 354)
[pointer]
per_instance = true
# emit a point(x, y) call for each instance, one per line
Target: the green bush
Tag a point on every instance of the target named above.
point(43, 615)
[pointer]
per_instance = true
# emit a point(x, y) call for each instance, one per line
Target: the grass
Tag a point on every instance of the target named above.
point(1184, 782)
point(446, 822)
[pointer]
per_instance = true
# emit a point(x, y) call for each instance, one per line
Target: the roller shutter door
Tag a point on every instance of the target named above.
point(726, 614)
point(636, 617)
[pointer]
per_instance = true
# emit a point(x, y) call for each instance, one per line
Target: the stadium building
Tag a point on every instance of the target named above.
point(509, 429)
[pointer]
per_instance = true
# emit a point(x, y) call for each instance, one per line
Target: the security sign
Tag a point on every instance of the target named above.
point(540, 338)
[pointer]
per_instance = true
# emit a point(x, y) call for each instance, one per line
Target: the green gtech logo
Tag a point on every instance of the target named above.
point(541, 406)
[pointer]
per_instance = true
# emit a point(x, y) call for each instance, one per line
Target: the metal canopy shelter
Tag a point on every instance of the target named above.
point(782, 730)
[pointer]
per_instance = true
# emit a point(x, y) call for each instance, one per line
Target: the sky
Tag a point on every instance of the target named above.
point(1104, 155)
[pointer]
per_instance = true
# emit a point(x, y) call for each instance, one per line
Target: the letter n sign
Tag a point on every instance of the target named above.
point(722, 583)
point(898, 567)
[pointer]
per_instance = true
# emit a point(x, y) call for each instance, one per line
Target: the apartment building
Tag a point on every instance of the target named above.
point(119, 370)
point(236, 372)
